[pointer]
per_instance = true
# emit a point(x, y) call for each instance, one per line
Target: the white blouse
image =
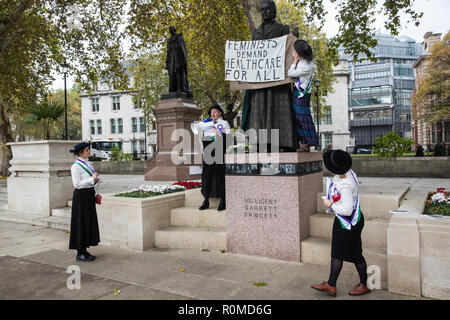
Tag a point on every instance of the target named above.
point(304, 70)
point(211, 132)
point(348, 190)
point(80, 178)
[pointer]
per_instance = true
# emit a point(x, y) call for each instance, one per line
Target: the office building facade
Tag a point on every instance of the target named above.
point(380, 91)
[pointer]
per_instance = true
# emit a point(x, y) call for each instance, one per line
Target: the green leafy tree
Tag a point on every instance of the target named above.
point(46, 114)
point(433, 94)
point(356, 20)
point(392, 145)
point(37, 36)
point(206, 26)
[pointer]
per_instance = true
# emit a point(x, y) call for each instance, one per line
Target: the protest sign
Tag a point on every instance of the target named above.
point(258, 64)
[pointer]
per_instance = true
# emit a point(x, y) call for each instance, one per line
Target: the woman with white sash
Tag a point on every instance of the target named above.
point(343, 199)
point(84, 230)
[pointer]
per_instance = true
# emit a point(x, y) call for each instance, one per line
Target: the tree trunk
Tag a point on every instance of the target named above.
point(5, 137)
point(229, 115)
point(252, 14)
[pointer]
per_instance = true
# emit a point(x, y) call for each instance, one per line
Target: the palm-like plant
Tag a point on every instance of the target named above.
point(46, 113)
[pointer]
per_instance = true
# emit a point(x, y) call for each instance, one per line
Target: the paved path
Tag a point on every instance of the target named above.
point(33, 263)
point(34, 260)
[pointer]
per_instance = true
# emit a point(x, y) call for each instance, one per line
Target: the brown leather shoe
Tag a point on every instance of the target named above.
point(359, 290)
point(325, 287)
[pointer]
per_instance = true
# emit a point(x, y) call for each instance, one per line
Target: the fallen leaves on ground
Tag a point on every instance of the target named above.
point(260, 284)
point(116, 292)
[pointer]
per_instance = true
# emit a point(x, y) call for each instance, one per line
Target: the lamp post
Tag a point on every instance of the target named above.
point(317, 85)
point(65, 70)
point(370, 115)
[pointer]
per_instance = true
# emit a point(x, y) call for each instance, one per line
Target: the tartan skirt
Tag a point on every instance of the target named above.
point(304, 126)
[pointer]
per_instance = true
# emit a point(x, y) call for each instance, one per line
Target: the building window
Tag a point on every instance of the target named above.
point(142, 145)
point(142, 124)
point(327, 115)
point(134, 124)
point(328, 139)
point(113, 125)
point(120, 125)
point(92, 123)
point(134, 146)
point(116, 103)
point(95, 104)
point(153, 124)
point(99, 126)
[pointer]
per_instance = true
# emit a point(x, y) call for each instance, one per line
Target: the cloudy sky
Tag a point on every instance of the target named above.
point(435, 18)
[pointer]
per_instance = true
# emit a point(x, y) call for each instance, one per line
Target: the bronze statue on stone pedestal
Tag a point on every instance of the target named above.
point(176, 65)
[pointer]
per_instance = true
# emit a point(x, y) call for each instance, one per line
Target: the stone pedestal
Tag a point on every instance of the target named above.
point(173, 114)
point(403, 253)
point(268, 207)
point(40, 177)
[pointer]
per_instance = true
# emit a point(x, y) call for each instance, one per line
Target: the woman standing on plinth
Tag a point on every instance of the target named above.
point(213, 174)
point(303, 70)
point(343, 198)
point(84, 231)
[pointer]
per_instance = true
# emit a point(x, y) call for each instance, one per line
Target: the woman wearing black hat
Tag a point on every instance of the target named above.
point(213, 174)
point(303, 70)
point(84, 231)
point(343, 198)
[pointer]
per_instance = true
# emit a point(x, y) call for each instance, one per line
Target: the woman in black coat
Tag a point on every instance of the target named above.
point(84, 230)
point(213, 173)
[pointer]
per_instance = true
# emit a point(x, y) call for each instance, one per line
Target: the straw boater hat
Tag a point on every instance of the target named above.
point(337, 161)
point(79, 146)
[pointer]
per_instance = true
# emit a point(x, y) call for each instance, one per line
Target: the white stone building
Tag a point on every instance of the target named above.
point(111, 114)
point(334, 127)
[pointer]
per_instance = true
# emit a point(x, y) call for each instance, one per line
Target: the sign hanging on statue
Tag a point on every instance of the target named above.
point(255, 61)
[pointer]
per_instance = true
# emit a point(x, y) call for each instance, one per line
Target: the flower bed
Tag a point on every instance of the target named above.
point(158, 190)
point(438, 203)
point(188, 184)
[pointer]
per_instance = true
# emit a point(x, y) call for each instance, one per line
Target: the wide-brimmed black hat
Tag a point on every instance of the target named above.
point(79, 146)
point(217, 107)
point(337, 161)
point(303, 49)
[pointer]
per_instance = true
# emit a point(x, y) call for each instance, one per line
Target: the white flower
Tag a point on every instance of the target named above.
point(438, 197)
point(160, 189)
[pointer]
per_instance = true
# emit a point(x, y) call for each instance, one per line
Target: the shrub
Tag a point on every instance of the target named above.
point(94, 158)
point(392, 145)
point(439, 150)
point(419, 151)
point(116, 153)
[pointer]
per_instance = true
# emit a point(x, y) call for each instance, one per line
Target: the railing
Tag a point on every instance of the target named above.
point(374, 122)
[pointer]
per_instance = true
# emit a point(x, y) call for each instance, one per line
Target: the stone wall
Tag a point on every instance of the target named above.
point(423, 167)
point(119, 167)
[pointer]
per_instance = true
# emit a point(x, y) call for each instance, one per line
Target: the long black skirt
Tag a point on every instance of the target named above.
point(84, 231)
point(346, 244)
point(213, 175)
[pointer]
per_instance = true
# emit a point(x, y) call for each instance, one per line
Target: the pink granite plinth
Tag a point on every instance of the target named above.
point(269, 215)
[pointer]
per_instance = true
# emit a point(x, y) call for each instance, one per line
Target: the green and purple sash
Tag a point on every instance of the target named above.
point(89, 168)
point(348, 222)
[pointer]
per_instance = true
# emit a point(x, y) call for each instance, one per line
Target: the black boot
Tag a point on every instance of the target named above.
point(205, 205)
point(221, 206)
point(87, 254)
point(81, 255)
